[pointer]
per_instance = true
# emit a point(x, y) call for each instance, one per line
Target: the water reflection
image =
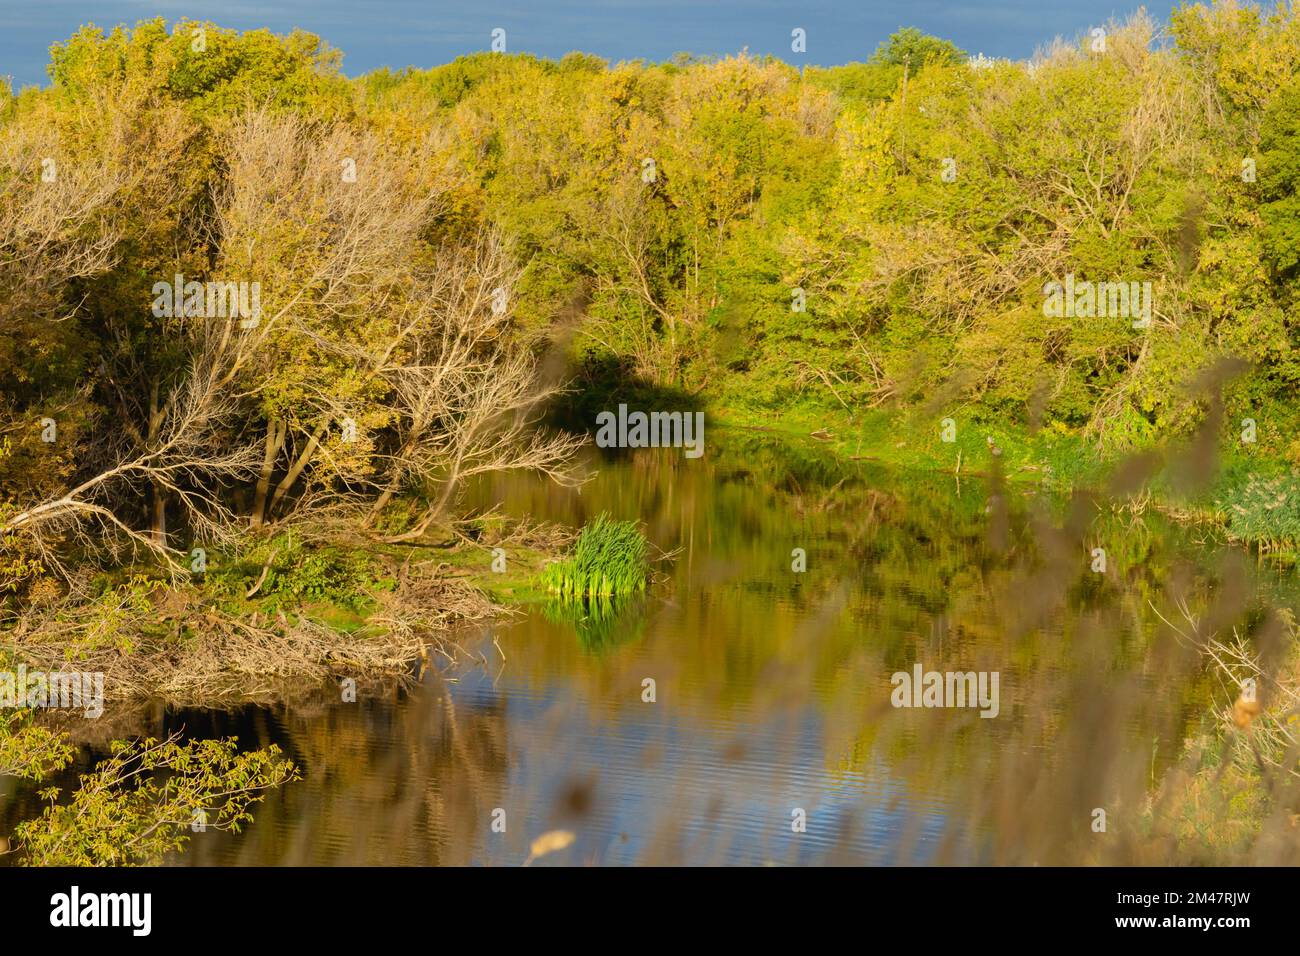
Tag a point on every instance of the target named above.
point(772, 687)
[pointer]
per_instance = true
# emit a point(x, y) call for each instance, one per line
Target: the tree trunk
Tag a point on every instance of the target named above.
point(158, 522)
point(296, 469)
point(433, 511)
point(275, 431)
point(394, 483)
point(158, 526)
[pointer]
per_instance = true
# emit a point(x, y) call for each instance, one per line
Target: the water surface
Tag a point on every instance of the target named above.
point(772, 687)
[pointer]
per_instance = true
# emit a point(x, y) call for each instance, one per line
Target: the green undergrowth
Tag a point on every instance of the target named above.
point(1254, 497)
point(288, 573)
point(1052, 456)
point(1264, 511)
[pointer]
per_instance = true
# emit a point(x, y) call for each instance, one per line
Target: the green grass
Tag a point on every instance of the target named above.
point(1252, 495)
point(610, 559)
point(298, 574)
point(1053, 456)
point(1265, 511)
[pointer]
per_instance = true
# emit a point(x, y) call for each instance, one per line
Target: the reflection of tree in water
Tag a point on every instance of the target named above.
point(1101, 706)
point(385, 783)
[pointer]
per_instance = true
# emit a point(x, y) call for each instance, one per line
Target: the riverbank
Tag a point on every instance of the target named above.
point(1251, 496)
point(284, 619)
point(282, 614)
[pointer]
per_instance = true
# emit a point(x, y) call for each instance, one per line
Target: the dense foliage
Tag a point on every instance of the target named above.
point(880, 234)
point(1118, 164)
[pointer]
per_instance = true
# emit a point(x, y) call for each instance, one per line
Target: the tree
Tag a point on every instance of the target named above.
point(911, 47)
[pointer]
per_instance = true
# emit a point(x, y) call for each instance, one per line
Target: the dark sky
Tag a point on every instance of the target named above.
point(398, 33)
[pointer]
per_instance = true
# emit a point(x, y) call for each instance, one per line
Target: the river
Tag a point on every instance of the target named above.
point(772, 736)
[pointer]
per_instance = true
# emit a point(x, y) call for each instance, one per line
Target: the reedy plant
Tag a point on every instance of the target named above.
point(610, 559)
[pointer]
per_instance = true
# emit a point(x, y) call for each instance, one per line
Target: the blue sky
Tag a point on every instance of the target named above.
point(397, 33)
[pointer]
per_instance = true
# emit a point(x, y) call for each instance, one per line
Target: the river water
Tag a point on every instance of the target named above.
point(772, 736)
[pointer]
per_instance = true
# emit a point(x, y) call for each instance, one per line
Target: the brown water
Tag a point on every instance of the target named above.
point(772, 688)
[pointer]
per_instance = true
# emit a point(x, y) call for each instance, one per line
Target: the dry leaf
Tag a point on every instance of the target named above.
point(549, 843)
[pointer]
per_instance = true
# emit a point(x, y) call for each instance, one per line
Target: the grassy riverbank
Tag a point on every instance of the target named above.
point(283, 614)
point(1254, 497)
point(209, 502)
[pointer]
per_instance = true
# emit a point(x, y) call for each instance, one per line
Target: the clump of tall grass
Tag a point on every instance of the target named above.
point(1265, 512)
point(610, 559)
